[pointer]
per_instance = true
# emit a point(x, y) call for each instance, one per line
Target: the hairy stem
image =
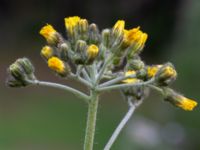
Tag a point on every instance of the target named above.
point(116, 80)
point(63, 87)
point(91, 121)
point(120, 127)
point(119, 86)
point(106, 63)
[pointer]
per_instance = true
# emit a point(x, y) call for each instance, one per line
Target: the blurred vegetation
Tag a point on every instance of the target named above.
point(49, 119)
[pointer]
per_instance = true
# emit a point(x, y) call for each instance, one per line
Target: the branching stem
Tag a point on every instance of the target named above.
point(63, 87)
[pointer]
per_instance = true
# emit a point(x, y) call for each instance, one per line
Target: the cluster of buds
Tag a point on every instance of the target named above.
point(20, 73)
point(113, 53)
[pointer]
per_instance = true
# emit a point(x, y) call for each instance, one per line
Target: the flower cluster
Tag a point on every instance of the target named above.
point(100, 57)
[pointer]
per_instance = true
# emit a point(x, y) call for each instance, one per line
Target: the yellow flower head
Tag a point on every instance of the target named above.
point(118, 29)
point(169, 72)
point(186, 104)
point(152, 70)
point(135, 36)
point(119, 25)
point(49, 33)
point(71, 23)
point(92, 51)
point(56, 64)
point(130, 80)
point(47, 52)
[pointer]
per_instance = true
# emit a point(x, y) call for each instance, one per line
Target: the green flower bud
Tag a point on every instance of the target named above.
point(17, 71)
point(64, 51)
point(83, 29)
point(26, 65)
point(12, 82)
point(80, 56)
point(117, 33)
point(135, 64)
point(20, 72)
point(94, 36)
point(106, 37)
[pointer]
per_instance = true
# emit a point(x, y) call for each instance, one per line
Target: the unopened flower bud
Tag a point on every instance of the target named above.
point(12, 82)
point(92, 52)
point(94, 36)
point(50, 34)
point(106, 38)
point(27, 66)
point(59, 66)
point(166, 75)
point(17, 71)
point(117, 32)
point(83, 29)
point(80, 52)
point(47, 52)
point(135, 64)
point(80, 46)
point(20, 72)
point(179, 100)
point(142, 74)
point(64, 51)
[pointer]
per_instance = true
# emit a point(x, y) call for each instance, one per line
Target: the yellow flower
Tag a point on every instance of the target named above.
point(179, 100)
point(118, 30)
point(47, 52)
point(71, 23)
point(119, 25)
point(49, 33)
point(130, 80)
point(92, 51)
point(166, 75)
point(152, 70)
point(56, 64)
point(135, 36)
point(186, 104)
point(169, 72)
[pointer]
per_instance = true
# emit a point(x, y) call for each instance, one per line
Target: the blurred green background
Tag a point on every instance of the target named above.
point(38, 118)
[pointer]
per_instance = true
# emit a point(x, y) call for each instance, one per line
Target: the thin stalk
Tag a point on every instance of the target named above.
point(118, 86)
point(91, 122)
point(156, 88)
point(116, 80)
point(107, 62)
point(80, 79)
point(120, 126)
point(63, 87)
point(85, 75)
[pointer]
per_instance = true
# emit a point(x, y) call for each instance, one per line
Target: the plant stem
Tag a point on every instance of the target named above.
point(120, 127)
point(63, 87)
point(118, 86)
point(91, 121)
point(106, 63)
point(116, 80)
